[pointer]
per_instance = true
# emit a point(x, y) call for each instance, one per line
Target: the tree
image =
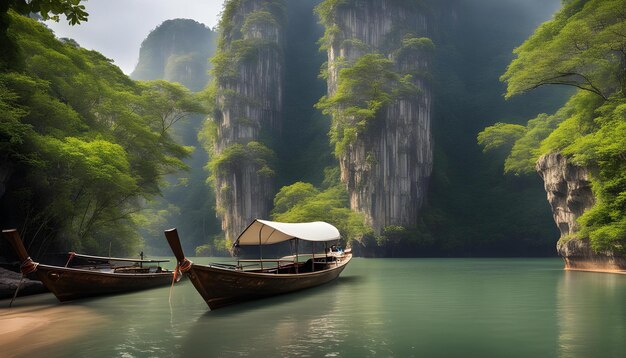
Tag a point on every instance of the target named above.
point(83, 145)
point(584, 46)
point(51, 9)
point(48, 10)
point(302, 202)
point(169, 103)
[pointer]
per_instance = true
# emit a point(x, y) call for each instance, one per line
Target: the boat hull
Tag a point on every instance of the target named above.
point(222, 287)
point(69, 283)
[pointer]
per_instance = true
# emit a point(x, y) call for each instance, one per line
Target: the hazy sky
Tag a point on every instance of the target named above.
point(117, 27)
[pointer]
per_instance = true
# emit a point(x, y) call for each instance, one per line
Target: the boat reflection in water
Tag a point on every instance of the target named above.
point(221, 285)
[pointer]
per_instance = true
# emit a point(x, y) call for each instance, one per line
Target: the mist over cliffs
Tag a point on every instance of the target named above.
point(179, 51)
point(404, 86)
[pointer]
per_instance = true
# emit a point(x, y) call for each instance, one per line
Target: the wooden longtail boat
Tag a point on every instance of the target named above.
point(221, 285)
point(94, 275)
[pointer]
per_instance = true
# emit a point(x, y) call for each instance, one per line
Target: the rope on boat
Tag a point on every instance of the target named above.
point(28, 266)
point(185, 265)
point(17, 289)
point(72, 254)
point(181, 268)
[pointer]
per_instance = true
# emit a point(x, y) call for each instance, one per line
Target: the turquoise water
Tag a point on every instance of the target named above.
point(377, 308)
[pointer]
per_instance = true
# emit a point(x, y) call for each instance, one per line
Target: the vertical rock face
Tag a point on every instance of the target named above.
point(249, 70)
point(569, 193)
point(568, 188)
point(387, 169)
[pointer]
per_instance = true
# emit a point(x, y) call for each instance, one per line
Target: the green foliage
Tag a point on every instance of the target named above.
point(228, 60)
point(521, 142)
point(234, 48)
point(237, 156)
point(327, 11)
point(394, 237)
point(289, 196)
point(301, 202)
point(51, 9)
point(332, 177)
point(416, 46)
point(604, 149)
point(584, 46)
point(500, 135)
point(168, 103)
point(367, 85)
point(218, 246)
point(258, 19)
point(363, 90)
point(84, 143)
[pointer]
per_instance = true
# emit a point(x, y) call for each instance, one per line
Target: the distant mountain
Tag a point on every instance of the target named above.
point(177, 50)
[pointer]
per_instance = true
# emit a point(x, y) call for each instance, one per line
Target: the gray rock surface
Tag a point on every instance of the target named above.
point(250, 107)
point(568, 189)
point(9, 281)
point(386, 170)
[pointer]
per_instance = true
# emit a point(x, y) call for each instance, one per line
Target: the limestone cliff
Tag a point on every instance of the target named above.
point(386, 169)
point(568, 188)
point(249, 79)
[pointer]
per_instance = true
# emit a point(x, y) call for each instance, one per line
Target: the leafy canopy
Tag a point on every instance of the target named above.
point(84, 143)
point(363, 90)
point(302, 202)
point(583, 46)
point(52, 9)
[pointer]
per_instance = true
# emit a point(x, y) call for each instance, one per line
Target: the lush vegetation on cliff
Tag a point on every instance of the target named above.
point(82, 144)
point(364, 89)
point(584, 47)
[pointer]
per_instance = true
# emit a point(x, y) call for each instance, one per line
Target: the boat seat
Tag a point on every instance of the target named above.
point(307, 266)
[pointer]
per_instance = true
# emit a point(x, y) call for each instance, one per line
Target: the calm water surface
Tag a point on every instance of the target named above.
point(377, 308)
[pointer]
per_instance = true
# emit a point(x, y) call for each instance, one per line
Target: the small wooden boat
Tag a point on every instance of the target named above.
point(87, 276)
point(221, 285)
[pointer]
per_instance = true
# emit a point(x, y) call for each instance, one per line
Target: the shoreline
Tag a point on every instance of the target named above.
point(619, 272)
point(34, 324)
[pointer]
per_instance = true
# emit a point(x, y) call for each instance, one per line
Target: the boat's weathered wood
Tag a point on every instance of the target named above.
point(125, 259)
point(174, 241)
point(69, 283)
point(13, 237)
point(221, 286)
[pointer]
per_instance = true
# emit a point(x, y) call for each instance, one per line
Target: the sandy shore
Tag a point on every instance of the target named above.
point(36, 323)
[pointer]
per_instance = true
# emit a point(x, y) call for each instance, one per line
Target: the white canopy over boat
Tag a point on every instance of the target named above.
point(263, 232)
